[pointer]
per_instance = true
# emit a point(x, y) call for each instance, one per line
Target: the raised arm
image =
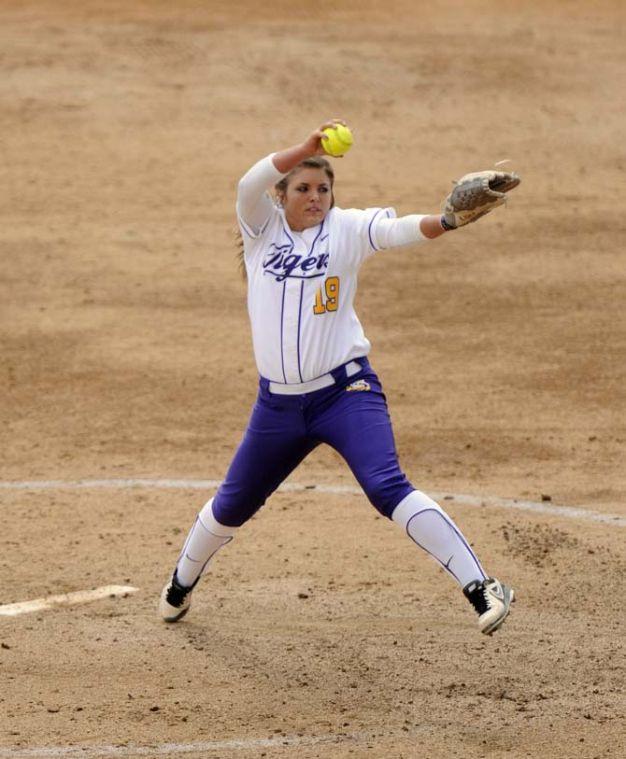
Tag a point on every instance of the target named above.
point(254, 203)
point(288, 159)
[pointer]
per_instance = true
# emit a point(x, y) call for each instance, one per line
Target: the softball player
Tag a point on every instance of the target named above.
point(302, 255)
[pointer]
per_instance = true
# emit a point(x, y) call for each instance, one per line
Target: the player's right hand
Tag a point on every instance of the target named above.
point(313, 143)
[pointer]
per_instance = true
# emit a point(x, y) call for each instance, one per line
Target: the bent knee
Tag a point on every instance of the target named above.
point(233, 509)
point(385, 491)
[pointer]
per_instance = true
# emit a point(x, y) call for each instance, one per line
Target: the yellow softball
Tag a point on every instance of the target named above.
point(339, 140)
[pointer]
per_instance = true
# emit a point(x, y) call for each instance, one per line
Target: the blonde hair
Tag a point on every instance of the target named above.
point(314, 162)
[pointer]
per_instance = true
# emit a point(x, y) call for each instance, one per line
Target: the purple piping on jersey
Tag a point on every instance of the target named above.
point(248, 229)
point(287, 233)
point(299, 319)
point(317, 236)
point(282, 313)
point(369, 229)
point(310, 253)
point(461, 538)
point(245, 228)
point(282, 308)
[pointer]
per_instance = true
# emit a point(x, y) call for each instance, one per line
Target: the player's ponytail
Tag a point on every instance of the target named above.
point(240, 258)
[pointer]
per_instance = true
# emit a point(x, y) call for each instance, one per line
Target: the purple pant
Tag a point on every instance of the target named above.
point(284, 429)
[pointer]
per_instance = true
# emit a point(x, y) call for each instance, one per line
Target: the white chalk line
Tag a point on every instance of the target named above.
point(172, 749)
point(545, 507)
point(66, 599)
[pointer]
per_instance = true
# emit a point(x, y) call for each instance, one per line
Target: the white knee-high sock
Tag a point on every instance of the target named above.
point(428, 525)
point(205, 539)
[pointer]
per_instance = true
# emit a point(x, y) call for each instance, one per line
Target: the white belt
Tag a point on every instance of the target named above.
point(326, 380)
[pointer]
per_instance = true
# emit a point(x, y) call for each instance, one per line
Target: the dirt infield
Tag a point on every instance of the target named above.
point(320, 632)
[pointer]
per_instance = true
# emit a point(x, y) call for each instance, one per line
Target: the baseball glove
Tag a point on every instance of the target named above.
point(475, 195)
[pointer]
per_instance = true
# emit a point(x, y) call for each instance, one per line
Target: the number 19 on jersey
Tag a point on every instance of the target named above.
point(331, 291)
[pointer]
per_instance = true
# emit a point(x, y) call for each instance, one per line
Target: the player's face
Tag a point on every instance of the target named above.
point(308, 198)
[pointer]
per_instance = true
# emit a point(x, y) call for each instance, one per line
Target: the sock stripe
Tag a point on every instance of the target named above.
point(437, 510)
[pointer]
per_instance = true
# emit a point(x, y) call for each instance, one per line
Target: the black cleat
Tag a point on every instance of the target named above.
point(492, 601)
point(175, 600)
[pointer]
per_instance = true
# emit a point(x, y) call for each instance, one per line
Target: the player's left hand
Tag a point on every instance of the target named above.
point(475, 195)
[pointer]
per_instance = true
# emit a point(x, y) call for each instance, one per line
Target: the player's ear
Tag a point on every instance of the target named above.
point(280, 189)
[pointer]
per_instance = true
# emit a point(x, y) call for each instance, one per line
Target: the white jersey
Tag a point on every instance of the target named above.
point(302, 285)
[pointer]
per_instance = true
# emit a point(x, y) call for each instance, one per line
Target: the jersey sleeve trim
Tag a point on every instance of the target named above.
point(282, 320)
point(250, 230)
point(245, 228)
point(389, 213)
